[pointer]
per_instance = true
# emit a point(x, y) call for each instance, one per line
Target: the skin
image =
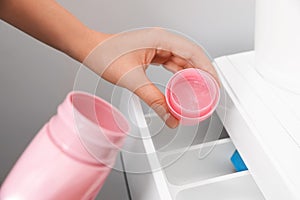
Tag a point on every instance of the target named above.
point(50, 23)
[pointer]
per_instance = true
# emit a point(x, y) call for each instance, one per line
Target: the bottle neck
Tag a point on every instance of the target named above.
point(80, 129)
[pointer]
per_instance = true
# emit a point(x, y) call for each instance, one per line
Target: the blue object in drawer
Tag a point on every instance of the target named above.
point(238, 162)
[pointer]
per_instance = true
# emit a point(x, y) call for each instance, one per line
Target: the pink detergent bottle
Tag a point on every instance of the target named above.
point(72, 154)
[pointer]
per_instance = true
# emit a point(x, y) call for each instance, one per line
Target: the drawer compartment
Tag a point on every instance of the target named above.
point(239, 186)
point(199, 163)
point(183, 163)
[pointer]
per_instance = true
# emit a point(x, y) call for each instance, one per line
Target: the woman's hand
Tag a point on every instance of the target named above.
point(120, 59)
point(123, 58)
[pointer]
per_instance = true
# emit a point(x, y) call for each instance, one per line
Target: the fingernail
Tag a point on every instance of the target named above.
point(169, 119)
point(172, 122)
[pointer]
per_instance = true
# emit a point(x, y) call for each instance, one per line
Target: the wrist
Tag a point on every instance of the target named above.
point(82, 46)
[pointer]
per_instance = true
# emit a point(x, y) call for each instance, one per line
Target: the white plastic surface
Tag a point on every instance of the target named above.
point(238, 186)
point(186, 175)
point(189, 168)
point(263, 123)
point(277, 42)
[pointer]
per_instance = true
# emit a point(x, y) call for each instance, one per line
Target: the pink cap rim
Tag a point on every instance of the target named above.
point(186, 118)
point(207, 77)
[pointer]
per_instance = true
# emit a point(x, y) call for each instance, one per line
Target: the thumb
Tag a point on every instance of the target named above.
point(152, 96)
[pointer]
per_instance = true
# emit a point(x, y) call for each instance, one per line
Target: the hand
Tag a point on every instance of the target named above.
point(123, 58)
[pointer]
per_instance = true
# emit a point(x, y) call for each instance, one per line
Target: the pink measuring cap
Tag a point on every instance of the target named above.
point(192, 95)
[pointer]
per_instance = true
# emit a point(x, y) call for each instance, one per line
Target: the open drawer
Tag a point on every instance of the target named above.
point(184, 164)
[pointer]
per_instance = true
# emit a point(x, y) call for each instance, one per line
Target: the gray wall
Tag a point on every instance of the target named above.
point(34, 78)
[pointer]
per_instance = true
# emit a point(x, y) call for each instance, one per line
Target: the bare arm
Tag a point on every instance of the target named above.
point(50, 23)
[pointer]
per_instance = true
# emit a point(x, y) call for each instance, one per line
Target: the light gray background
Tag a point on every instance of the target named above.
point(35, 78)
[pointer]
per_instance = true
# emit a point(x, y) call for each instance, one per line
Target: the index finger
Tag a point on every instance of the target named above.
point(185, 48)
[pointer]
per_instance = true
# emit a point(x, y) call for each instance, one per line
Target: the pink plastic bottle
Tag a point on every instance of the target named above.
point(72, 154)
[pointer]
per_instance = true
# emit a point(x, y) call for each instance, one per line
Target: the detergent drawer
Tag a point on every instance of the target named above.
point(184, 163)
